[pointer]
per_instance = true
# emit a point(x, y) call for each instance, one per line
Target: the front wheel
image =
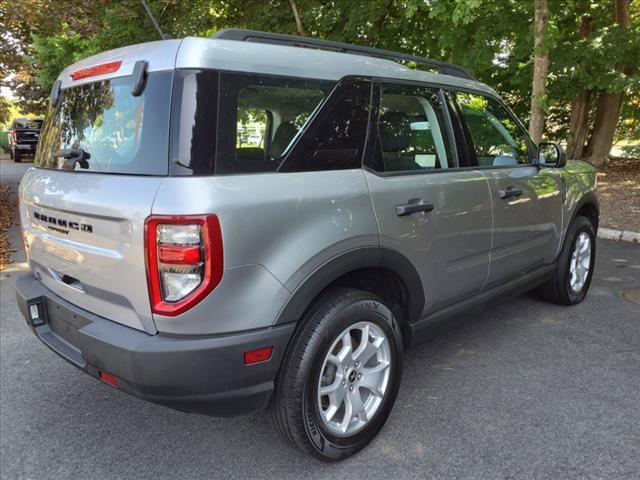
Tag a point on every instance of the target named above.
point(339, 380)
point(17, 156)
point(572, 278)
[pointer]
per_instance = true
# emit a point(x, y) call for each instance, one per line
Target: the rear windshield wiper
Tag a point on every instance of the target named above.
point(75, 155)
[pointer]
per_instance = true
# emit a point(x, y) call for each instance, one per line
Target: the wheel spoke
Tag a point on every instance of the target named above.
point(345, 353)
point(357, 405)
point(371, 382)
point(367, 350)
point(381, 367)
point(335, 360)
point(327, 389)
point(330, 412)
point(348, 414)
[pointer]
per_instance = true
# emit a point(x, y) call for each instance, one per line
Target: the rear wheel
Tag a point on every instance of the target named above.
point(572, 278)
point(339, 380)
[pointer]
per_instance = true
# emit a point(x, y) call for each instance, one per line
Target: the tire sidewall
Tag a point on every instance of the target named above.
point(328, 445)
point(582, 225)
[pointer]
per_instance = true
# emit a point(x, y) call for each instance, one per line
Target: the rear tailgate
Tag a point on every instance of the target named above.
point(27, 136)
point(85, 237)
point(102, 156)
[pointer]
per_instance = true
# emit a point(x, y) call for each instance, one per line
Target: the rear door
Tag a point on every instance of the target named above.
point(102, 157)
point(527, 199)
point(437, 214)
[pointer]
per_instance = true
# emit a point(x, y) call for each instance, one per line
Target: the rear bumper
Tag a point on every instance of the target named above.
point(195, 374)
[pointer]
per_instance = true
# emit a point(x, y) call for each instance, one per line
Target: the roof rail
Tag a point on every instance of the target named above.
point(293, 40)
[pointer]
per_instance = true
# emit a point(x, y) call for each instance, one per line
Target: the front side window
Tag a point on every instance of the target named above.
point(497, 139)
point(412, 133)
point(101, 127)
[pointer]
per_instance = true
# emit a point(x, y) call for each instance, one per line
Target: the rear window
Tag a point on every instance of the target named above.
point(101, 127)
point(27, 123)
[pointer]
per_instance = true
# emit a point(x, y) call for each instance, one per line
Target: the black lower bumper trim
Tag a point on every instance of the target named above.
point(195, 374)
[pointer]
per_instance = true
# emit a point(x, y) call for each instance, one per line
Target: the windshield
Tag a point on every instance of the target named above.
point(27, 123)
point(101, 127)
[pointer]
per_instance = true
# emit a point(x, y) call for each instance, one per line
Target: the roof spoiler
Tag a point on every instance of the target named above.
point(242, 35)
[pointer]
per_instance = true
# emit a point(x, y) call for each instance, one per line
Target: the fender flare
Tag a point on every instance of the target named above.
point(588, 198)
point(349, 261)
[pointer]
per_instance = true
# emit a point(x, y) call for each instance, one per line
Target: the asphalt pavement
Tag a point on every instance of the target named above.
point(521, 390)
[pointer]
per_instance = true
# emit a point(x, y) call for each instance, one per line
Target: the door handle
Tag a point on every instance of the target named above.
point(510, 192)
point(414, 205)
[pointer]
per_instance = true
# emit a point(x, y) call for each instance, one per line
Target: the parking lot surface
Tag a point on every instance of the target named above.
point(521, 390)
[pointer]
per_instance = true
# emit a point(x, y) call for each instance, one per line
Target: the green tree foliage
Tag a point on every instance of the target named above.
point(491, 38)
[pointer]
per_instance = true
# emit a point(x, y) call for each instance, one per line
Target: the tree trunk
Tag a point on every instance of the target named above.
point(540, 69)
point(609, 104)
point(579, 120)
point(299, 29)
point(578, 125)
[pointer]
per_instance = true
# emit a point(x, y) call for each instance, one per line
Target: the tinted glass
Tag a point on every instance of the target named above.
point(260, 118)
point(101, 127)
point(497, 139)
point(27, 123)
point(335, 138)
point(195, 108)
point(412, 132)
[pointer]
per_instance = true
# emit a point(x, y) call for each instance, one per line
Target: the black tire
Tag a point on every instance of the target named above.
point(294, 407)
point(558, 288)
point(11, 153)
point(17, 156)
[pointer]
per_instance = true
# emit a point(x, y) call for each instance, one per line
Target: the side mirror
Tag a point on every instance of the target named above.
point(551, 155)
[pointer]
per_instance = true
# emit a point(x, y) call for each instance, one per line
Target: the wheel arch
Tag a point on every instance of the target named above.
point(382, 271)
point(589, 207)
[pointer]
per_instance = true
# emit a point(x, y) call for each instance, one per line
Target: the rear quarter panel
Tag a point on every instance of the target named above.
point(277, 228)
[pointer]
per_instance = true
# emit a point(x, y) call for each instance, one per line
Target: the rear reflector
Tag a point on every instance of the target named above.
point(258, 356)
point(96, 70)
point(108, 378)
point(179, 254)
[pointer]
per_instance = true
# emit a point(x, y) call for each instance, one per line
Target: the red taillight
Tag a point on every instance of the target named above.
point(258, 356)
point(101, 69)
point(108, 378)
point(183, 254)
point(179, 255)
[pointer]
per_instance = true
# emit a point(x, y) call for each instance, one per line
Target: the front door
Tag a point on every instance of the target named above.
point(527, 199)
point(437, 215)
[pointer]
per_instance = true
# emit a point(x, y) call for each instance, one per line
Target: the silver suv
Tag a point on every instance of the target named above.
point(250, 221)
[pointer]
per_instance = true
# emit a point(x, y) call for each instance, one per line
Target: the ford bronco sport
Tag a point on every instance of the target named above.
point(178, 258)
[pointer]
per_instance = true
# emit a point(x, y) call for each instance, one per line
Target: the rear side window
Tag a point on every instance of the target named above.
point(335, 138)
point(100, 127)
point(261, 117)
point(412, 132)
point(232, 123)
point(497, 139)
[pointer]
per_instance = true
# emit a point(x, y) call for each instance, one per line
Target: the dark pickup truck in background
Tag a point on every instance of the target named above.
point(23, 137)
